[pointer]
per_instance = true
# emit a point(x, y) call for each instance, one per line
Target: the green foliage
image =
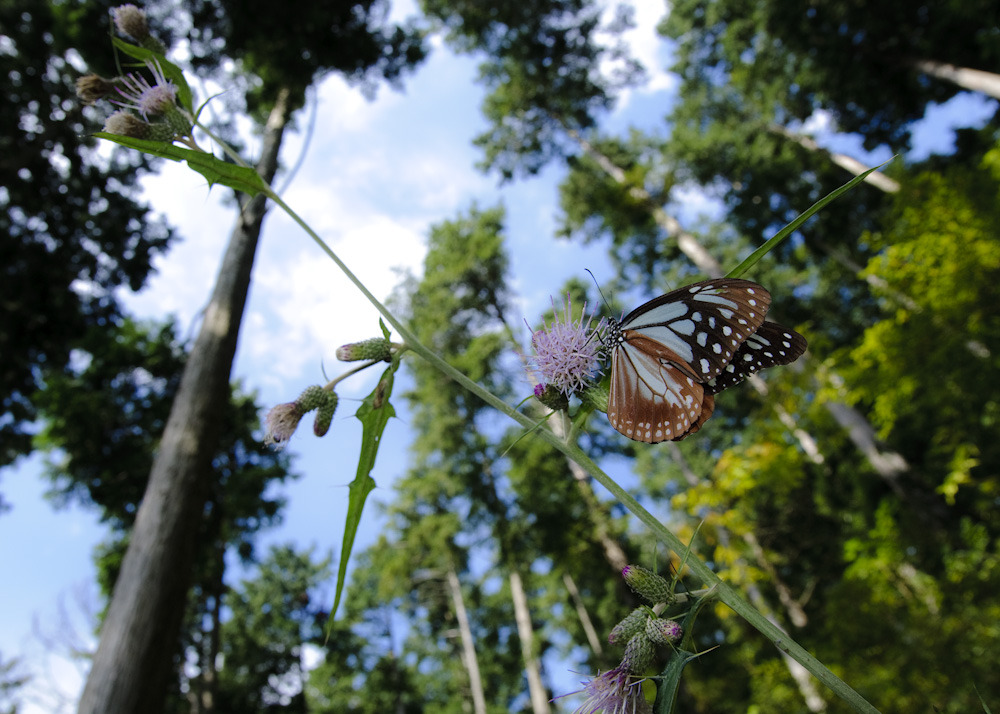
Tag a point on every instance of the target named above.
point(69, 218)
point(271, 618)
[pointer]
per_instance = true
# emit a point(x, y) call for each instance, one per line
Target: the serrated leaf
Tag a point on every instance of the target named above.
point(374, 413)
point(215, 170)
point(669, 680)
point(171, 71)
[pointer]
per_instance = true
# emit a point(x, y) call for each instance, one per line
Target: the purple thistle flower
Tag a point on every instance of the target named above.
point(613, 692)
point(145, 98)
point(567, 351)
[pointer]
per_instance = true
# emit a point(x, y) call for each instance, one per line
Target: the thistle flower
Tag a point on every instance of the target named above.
point(283, 420)
point(148, 99)
point(616, 691)
point(567, 351)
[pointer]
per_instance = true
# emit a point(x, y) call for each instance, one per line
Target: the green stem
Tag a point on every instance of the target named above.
point(725, 593)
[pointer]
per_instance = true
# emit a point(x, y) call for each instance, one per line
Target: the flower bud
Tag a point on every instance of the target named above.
point(647, 584)
point(324, 414)
point(91, 87)
point(634, 623)
point(311, 398)
point(661, 631)
point(377, 348)
point(639, 654)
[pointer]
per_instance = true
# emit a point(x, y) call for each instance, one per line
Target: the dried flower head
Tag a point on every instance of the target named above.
point(91, 87)
point(131, 21)
point(125, 123)
point(283, 420)
point(567, 351)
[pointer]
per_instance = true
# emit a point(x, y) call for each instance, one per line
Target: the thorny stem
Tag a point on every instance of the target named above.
point(724, 592)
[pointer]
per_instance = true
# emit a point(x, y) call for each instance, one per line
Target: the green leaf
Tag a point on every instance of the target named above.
point(669, 680)
point(385, 330)
point(215, 170)
point(171, 71)
point(774, 240)
point(374, 413)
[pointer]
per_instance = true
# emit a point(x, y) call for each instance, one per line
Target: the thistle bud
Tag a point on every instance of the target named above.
point(91, 87)
point(377, 348)
point(596, 396)
point(311, 398)
point(552, 397)
point(634, 623)
point(639, 654)
point(647, 584)
point(324, 414)
point(661, 631)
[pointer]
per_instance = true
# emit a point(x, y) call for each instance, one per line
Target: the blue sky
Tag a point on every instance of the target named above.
point(375, 177)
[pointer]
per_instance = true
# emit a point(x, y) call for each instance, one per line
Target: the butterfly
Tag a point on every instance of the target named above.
point(671, 356)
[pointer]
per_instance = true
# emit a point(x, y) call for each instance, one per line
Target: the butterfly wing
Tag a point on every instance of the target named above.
point(653, 396)
point(772, 344)
point(704, 323)
point(666, 350)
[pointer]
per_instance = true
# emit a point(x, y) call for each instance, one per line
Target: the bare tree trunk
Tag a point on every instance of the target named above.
point(977, 80)
point(887, 464)
point(526, 633)
point(139, 637)
point(582, 614)
point(468, 646)
point(876, 178)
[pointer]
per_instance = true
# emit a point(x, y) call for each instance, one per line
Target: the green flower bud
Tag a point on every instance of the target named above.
point(596, 396)
point(324, 414)
point(312, 398)
point(661, 631)
point(647, 584)
point(634, 623)
point(639, 654)
point(377, 348)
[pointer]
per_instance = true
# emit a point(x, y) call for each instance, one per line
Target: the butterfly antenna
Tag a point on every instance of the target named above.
point(597, 285)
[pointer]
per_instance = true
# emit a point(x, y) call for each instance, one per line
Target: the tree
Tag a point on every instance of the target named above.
point(144, 615)
point(74, 228)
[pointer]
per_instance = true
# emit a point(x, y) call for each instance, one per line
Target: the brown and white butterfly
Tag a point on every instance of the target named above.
point(670, 356)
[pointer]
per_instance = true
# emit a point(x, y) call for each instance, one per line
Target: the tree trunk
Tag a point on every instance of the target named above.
point(583, 615)
point(526, 633)
point(139, 637)
point(976, 80)
point(876, 178)
point(468, 646)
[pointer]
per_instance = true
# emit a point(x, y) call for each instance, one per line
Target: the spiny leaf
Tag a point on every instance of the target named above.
point(374, 413)
point(669, 681)
point(215, 170)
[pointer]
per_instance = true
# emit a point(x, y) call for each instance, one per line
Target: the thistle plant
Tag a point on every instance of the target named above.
point(156, 113)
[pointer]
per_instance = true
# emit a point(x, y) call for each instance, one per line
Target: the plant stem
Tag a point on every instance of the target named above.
point(725, 593)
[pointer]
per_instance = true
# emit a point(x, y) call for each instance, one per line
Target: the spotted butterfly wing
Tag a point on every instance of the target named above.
point(663, 354)
point(772, 344)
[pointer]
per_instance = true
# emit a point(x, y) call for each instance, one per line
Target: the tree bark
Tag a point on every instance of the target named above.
point(140, 634)
point(468, 646)
point(876, 178)
point(977, 80)
point(526, 633)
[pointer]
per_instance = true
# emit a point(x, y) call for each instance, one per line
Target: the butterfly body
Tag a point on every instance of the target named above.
point(672, 354)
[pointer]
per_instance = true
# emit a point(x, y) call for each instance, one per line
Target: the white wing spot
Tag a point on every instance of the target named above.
point(727, 330)
point(702, 338)
point(704, 366)
point(717, 348)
